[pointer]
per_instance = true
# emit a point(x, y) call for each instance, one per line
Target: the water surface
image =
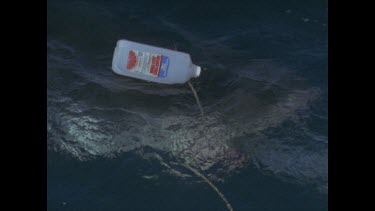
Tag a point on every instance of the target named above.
point(116, 143)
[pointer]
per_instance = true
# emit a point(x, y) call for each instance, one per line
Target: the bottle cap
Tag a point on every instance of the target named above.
point(196, 71)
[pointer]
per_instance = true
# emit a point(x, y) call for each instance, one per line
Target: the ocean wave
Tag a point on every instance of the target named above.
point(260, 110)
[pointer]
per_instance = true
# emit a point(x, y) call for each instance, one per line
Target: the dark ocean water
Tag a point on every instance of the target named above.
point(117, 143)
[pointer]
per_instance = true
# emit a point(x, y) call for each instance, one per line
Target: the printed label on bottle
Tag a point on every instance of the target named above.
point(147, 63)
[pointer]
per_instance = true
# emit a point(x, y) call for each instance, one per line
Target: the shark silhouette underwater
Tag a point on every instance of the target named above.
point(229, 135)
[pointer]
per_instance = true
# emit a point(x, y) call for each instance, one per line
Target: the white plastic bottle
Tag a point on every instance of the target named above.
point(154, 64)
